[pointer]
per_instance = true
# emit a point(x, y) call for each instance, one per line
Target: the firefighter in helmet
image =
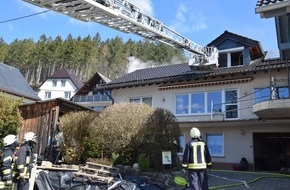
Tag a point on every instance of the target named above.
point(196, 159)
point(10, 144)
point(23, 162)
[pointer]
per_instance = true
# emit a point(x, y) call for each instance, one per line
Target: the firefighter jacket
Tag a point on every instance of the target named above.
point(196, 155)
point(23, 161)
point(6, 166)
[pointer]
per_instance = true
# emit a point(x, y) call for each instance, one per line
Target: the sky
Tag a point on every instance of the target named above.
point(199, 21)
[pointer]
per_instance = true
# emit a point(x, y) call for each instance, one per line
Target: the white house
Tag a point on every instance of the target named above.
point(61, 84)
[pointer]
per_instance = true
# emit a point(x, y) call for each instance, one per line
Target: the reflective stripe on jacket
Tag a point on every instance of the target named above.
point(196, 155)
point(23, 161)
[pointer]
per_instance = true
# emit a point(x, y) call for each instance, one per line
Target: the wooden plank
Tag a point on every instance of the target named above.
point(98, 171)
point(100, 166)
point(94, 177)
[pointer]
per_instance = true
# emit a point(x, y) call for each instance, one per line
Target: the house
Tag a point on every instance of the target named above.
point(14, 85)
point(90, 97)
point(61, 84)
point(241, 106)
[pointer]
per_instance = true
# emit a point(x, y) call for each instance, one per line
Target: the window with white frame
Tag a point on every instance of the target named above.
point(139, 100)
point(54, 83)
point(47, 95)
point(67, 95)
point(63, 83)
point(231, 57)
point(231, 104)
point(215, 143)
point(199, 103)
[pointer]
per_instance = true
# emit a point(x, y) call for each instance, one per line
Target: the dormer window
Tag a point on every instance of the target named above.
point(231, 57)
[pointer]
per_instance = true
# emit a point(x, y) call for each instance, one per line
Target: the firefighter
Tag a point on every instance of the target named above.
point(23, 162)
point(10, 144)
point(196, 159)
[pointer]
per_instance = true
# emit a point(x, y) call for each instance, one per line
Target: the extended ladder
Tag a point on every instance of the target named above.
point(127, 17)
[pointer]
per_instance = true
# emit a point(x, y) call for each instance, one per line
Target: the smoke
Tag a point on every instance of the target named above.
point(135, 64)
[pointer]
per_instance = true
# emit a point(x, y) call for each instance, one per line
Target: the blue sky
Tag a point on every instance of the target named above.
point(200, 21)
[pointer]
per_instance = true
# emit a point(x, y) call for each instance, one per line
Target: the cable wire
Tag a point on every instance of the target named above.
point(18, 18)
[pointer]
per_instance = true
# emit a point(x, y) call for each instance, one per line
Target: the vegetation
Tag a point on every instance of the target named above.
point(124, 133)
point(10, 117)
point(84, 56)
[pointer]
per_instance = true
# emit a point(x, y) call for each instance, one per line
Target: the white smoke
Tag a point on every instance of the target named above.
point(135, 64)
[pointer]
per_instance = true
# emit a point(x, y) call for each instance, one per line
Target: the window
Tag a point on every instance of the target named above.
point(215, 143)
point(231, 57)
point(63, 83)
point(182, 104)
point(264, 94)
point(54, 82)
point(231, 105)
point(145, 100)
point(182, 142)
point(67, 95)
point(214, 102)
point(199, 103)
point(47, 95)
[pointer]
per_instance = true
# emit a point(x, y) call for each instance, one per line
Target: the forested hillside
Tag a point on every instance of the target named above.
point(38, 59)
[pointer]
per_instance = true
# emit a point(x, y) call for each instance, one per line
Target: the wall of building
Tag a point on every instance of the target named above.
point(56, 91)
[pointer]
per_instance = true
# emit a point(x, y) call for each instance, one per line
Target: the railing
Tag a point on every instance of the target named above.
point(92, 98)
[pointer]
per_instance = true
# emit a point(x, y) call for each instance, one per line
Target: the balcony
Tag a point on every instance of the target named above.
point(92, 98)
point(273, 109)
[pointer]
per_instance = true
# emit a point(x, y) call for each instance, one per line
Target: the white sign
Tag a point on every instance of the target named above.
point(166, 157)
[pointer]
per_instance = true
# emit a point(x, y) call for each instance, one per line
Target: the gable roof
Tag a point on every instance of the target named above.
point(91, 83)
point(237, 38)
point(66, 74)
point(13, 82)
point(184, 72)
point(272, 8)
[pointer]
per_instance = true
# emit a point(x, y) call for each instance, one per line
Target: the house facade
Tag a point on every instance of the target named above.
point(239, 106)
point(92, 98)
point(61, 84)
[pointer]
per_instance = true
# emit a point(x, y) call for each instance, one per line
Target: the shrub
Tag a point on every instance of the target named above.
point(143, 162)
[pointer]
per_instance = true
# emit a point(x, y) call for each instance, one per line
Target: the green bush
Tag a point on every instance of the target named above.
point(143, 162)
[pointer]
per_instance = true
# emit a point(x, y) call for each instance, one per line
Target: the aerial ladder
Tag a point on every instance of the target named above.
point(124, 16)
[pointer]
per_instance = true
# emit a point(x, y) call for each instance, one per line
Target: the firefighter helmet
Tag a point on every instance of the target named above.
point(30, 136)
point(195, 133)
point(9, 139)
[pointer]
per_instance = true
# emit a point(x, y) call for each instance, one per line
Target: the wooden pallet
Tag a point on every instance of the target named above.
point(97, 172)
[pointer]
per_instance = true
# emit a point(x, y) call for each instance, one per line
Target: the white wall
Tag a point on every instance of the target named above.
point(56, 91)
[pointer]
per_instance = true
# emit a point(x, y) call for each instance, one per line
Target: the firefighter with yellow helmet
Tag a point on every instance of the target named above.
point(196, 159)
point(10, 143)
point(23, 162)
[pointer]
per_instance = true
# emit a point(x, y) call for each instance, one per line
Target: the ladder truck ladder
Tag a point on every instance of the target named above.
point(124, 16)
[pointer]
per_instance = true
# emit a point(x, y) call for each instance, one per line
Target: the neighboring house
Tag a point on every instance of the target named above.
point(232, 104)
point(90, 97)
point(61, 84)
point(13, 84)
point(278, 9)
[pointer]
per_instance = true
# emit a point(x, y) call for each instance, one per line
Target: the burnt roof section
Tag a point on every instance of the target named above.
point(182, 72)
point(13, 82)
point(66, 74)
